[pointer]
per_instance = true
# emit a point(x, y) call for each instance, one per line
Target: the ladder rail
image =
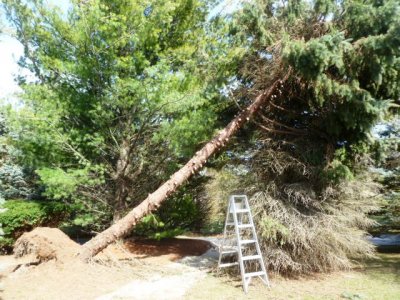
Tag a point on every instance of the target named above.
point(241, 263)
point(253, 229)
point(227, 223)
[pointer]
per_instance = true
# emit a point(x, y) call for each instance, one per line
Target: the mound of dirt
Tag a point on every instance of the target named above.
point(44, 243)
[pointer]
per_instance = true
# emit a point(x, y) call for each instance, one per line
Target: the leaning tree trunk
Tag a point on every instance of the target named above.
point(154, 200)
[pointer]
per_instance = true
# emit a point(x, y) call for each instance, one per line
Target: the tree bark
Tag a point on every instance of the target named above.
point(154, 200)
point(120, 177)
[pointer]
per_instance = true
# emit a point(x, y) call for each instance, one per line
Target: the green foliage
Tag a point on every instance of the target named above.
point(62, 184)
point(317, 55)
point(151, 226)
point(181, 211)
point(273, 230)
point(74, 186)
point(338, 172)
point(344, 71)
point(15, 181)
point(185, 211)
point(85, 219)
point(388, 174)
point(213, 227)
point(388, 217)
point(342, 59)
point(19, 216)
point(191, 130)
point(124, 91)
point(336, 68)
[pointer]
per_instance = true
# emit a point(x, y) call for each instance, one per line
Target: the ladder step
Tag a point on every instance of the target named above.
point(229, 252)
point(245, 226)
point(254, 274)
point(251, 257)
point(247, 241)
point(245, 210)
point(228, 265)
point(230, 224)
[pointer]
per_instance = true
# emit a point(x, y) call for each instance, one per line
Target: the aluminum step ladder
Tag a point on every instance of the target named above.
point(241, 243)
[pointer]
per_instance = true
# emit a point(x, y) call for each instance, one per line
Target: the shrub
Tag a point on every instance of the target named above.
point(19, 216)
point(388, 217)
point(13, 182)
point(152, 227)
point(188, 210)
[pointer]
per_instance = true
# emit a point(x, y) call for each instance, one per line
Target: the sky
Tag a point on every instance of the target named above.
point(11, 50)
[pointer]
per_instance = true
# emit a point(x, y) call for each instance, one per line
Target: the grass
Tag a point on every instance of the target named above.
point(379, 278)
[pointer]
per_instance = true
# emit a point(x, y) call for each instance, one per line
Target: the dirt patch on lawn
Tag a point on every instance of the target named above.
point(72, 280)
point(171, 249)
point(116, 266)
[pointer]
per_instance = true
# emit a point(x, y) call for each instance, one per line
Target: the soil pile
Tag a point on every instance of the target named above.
point(44, 243)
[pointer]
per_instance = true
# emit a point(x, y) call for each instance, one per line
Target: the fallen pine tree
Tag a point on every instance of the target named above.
point(124, 226)
point(312, 136)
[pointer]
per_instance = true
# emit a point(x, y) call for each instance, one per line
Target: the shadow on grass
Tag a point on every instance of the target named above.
point(382, 266)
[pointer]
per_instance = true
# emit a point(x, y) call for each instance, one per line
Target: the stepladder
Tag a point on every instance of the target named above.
point(240, 245)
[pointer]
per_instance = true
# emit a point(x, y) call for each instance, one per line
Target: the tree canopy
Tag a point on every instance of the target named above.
point(123, 91)
point(307, 152)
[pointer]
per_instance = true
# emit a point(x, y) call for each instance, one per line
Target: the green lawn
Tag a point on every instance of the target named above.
point(378, 279)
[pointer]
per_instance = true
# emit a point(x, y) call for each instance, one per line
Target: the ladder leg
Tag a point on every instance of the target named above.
point(246, 285)
point(241, 264)
point(221, 247)
point(265, 275)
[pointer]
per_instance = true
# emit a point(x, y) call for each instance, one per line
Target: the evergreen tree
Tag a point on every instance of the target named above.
point(121, 96)
point(319, 74)
point(388, 174)
point(311, 143)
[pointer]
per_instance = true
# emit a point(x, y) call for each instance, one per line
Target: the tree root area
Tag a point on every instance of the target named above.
point(44, 244)
point(45, 260)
